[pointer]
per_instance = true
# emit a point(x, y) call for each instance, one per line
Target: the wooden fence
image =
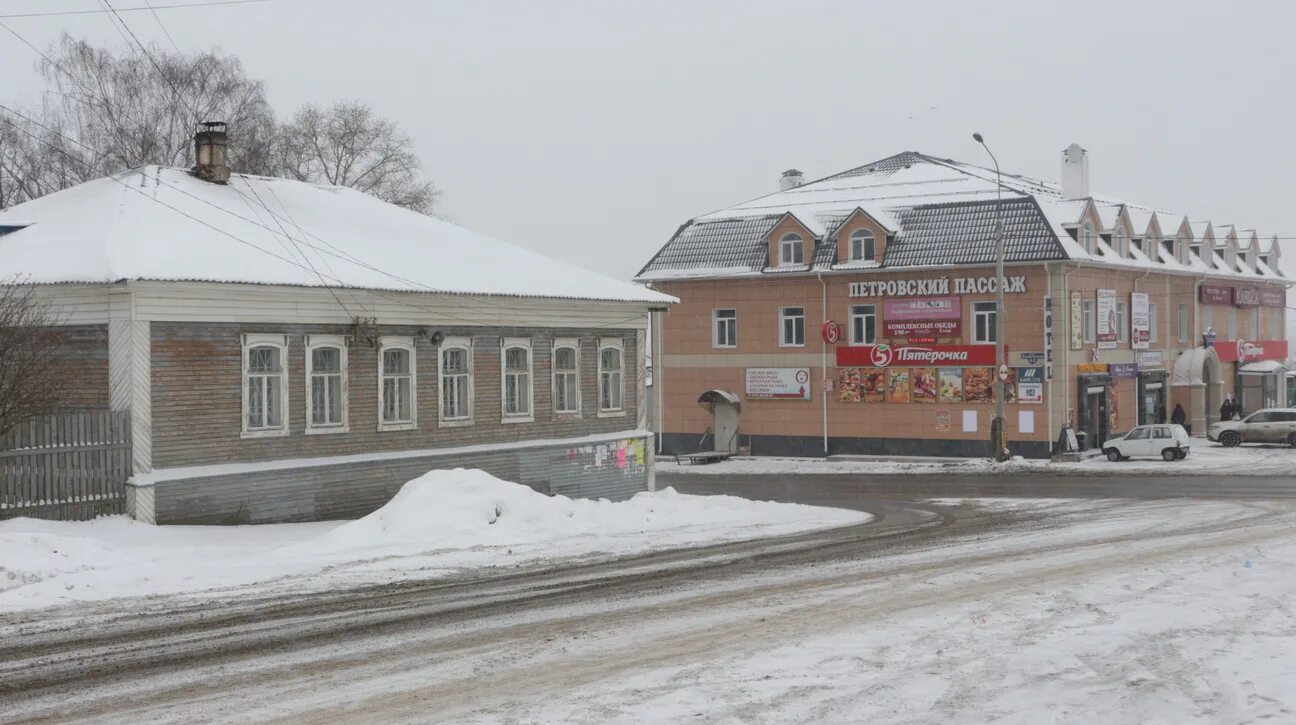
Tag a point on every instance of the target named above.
point(66, 466)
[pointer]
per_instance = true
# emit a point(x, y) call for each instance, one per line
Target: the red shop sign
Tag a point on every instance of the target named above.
point(1213, 294)
point(881, 356)
point(1246, 297)
point(1273, 297)
point(921, 328)
point(831, 332)
point(1248, 351)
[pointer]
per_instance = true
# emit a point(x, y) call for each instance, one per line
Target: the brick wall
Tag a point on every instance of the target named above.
point(197, 394)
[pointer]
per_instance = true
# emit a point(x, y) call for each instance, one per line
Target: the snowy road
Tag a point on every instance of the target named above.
point(1173, 611)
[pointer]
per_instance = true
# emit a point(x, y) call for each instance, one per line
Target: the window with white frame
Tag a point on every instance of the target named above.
point(1087, 237)
point(1254, 329)
point(326, 383)
point(611, 377)
point(265, 385)
point(1122, 322)
point(1152, 322)
point(455, 363)
point(1122, 243)
point(1232, 323)
point(791, 326)
point(1275, 324)
point(516, 383)
point(725, 324)
point(863, 246)
point(1183, 322)
point(863, 328)
point(566, 377)
point(984, 322)
point(791, 250)
point(396, 384)
point(1090, 321)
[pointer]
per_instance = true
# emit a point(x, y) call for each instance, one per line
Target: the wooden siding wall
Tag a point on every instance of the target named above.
point(83, 365)
point(351, 490)
point(197, 394)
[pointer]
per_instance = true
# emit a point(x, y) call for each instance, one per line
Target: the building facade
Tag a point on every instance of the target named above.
point(303, 358)
point(857, 314)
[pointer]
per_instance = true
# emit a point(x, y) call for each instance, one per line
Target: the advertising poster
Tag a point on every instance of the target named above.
point(923, 385)
point(872, 385)
point(943, 421)
point(1030, 385)
point(1077, 321)
point(923, 308)
point(848, 380)
point(897, 385)
point(778, 383)
point(978, 385)
point(1010, 386)
point(1140, 321)
point(1107, 323)
point(951, 385)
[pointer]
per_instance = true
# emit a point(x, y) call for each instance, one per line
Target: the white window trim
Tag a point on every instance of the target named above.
point(455, 343)
point(1182, 323)
point(560, 343)
point(1122, 324)
point(715, 327)
point(787, 240)
point(782, 317)
point(399, 343)
point(529, 416)
point(1231, 327)
point(851, 315)
point(1090, 321)
point(256, 339)
point(974, 314)
point(862, 235)
point(1254, 327)
point(1153, 323)
point(619, 345)
point(340, 342)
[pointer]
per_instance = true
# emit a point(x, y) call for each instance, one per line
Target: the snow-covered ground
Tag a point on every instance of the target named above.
point(1205, 458)
point(442, 523)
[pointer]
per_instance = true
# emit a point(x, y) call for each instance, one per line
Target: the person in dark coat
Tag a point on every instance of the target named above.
point(1226, 409)
point(1178, 417)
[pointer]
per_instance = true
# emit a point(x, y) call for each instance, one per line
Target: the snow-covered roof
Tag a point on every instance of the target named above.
point(158, 223)
point(920, 200)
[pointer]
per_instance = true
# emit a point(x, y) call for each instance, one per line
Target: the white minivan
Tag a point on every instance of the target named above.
point(1165, 440)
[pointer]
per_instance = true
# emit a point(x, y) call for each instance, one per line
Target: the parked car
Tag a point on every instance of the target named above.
point(1168, 441)
point(1271, 425)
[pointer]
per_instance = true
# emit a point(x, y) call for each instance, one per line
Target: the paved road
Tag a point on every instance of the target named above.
point(848, 490)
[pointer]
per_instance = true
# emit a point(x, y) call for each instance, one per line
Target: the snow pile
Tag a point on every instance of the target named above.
point(440, 523)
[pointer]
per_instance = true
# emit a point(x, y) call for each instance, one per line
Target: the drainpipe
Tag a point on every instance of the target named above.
point(823, 359)
point(1066, 348)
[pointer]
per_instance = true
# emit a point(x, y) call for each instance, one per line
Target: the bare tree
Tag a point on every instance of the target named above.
point(30, 383)
point(348, 145)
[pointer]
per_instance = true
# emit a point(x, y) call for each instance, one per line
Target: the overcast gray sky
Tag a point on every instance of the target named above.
point(590, 130)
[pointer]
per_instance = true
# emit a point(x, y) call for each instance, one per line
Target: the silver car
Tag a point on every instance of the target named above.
point(1271, 425)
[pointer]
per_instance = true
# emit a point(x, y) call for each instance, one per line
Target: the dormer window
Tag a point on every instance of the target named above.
point(1137, 243)
point(1121, 244)
point(863, 246)
point(1087, 238)
point(791, 250)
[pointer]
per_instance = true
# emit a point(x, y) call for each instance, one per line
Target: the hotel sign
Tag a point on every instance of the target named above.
point(937, 286)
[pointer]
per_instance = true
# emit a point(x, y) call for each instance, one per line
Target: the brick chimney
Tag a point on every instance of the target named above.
point(210, 160)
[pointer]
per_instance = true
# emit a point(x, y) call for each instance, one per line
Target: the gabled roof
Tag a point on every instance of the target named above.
point(157, 223)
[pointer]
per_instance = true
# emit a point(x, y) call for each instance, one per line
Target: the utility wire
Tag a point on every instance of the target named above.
point(132, 9)
point(179, 97)
point(162, 25)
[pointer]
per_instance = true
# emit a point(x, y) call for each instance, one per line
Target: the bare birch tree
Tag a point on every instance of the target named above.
point(348, 145)
point(30, 383)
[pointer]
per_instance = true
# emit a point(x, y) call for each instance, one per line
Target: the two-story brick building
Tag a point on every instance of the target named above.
point(857, 314)
point(290, 351)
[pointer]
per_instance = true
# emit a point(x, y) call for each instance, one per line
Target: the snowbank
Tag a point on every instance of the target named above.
point(440, 523)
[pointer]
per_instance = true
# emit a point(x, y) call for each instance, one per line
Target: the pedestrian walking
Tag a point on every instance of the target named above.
point(1226, 408)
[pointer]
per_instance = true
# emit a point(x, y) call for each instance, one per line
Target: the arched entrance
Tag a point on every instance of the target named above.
point(724, 407)
point(1196, 386)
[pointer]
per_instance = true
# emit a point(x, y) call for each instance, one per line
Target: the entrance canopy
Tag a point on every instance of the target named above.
point(1263, 367)
point(711, 397)
point(1190, 366)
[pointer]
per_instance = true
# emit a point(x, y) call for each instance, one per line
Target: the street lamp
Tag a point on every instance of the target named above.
point(998, 441)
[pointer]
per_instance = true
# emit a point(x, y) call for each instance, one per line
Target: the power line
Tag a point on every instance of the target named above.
point(135, 8)
point(151, 59)
point(162, 25)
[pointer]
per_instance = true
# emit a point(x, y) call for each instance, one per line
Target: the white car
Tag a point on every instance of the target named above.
point(1271, 425)
point(1165, 440)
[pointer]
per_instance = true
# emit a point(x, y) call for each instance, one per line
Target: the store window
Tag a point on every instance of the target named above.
point(1183, 322)
point(863, 324)
point(792, 327)
point(1232, 323)
point(1090, 322)
point(1208, 317)
point(1152, 322)
point(791, 250)
point(516, 383)
point(984, 322)
point(326, 384)
point(566, 377)
point(1254, 329)
point(725, 324)
point(1122, 322)
point(863, 246)
point(396, 384)
point(456, 381)
point(1275, 324)
point(265, 385)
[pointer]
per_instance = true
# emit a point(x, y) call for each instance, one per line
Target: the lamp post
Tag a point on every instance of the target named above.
point(998, 442)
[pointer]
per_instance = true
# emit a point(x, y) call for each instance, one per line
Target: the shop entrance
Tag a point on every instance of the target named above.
point(1152, 397)
point(1092, 418)
point(724, 407)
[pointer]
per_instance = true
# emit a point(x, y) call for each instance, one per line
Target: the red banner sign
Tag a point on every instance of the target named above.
point(921, 328)
point(1248, 351)
point(1273, 297)
point(1212, 294)
point(881, 356)
point(1216, 294)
